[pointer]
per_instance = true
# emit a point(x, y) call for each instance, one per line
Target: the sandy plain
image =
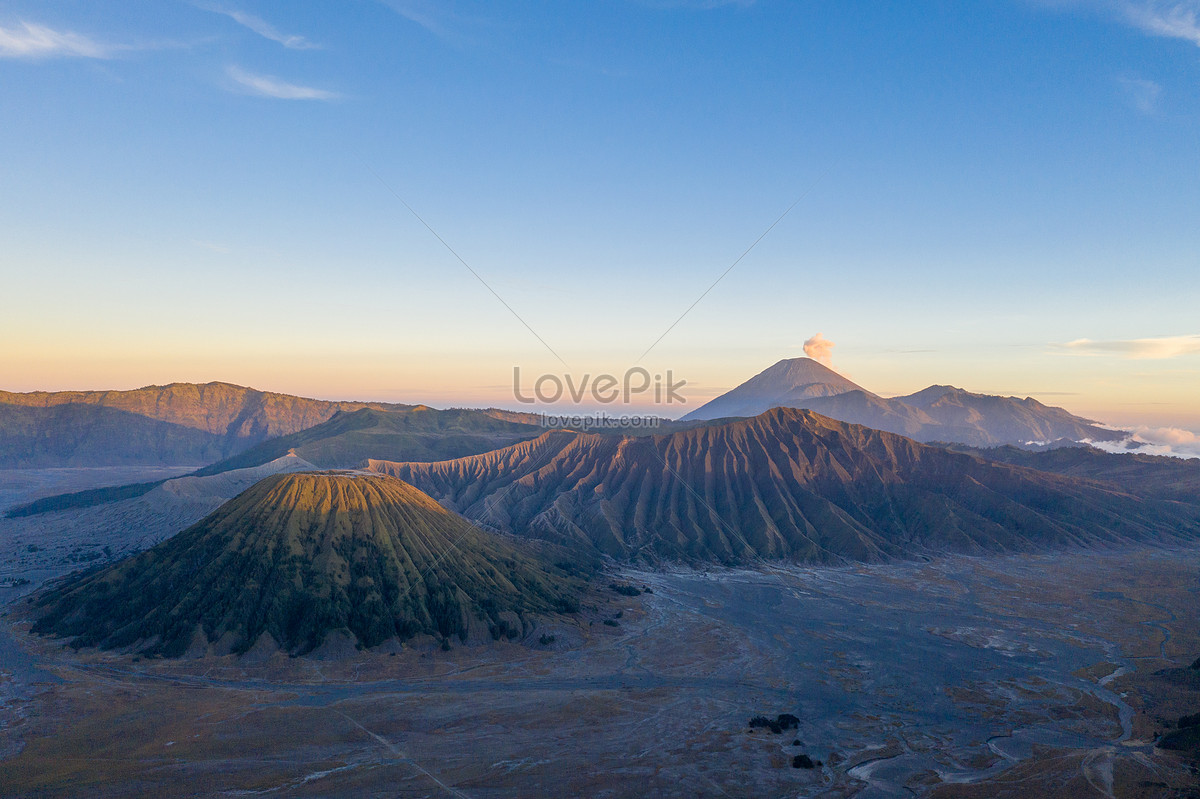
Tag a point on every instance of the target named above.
point(1022, 675)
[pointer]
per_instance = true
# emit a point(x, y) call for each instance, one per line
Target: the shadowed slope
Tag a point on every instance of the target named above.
point(411, 434)
point(986, 419)
point(347, 440)
point(1155, 476)
point(880, 413)
point(91, 435)
point(298, 556)
point(785, 484)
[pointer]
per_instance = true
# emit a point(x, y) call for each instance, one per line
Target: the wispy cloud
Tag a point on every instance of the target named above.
point(208, 245)
point(269, 86)
point(1142, 94)
point(422, 13)
point(1174, 19)
point(440, 19)
point(31, 41)
point(265, 29)
point(1137, 348)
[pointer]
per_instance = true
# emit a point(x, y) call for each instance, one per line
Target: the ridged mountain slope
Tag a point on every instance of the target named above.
point(785, 484)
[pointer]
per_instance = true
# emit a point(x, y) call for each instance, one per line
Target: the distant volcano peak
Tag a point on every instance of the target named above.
point(936, 413)
point(789, 381)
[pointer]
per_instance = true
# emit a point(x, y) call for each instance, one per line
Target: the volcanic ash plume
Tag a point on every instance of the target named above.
point(820, 349)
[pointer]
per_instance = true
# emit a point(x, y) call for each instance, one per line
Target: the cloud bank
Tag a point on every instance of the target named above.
point(31, 41)
point(1171, 441)
point(269, 86)
point(820, 349)
point(1138, 348)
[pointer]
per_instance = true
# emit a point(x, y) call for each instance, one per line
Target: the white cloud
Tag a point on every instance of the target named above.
point(1172, 441)
point(1141, 94)
point(1175, 19)
point(1138, 348)
point(31, 41)
point(266, 30)
point(268, 86)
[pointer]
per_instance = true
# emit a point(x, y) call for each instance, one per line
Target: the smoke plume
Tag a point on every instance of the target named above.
point(820, 349)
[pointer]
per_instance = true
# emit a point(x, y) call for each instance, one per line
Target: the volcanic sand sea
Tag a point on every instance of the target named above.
point(937, 678)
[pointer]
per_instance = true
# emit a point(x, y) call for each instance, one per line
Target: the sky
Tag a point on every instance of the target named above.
point(409, 201)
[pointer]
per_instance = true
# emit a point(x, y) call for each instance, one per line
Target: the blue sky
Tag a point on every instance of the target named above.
point(1000, 195)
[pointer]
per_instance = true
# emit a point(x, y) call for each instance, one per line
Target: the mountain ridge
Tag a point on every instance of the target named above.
point(215, 407)
point(935, 413)
point(788, 484)
point(174, 424)
point(193, 424)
